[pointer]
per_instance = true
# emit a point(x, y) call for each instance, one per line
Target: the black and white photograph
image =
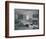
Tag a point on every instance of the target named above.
point(26, 19)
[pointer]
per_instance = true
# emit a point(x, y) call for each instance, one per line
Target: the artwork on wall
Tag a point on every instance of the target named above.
point(24, 19)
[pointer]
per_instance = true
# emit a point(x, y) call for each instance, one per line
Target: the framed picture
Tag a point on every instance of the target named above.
point(24, 19)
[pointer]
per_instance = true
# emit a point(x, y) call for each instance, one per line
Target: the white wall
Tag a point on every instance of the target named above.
point(2, 20)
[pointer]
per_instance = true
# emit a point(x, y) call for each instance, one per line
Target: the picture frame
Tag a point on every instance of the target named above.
point(25, 12)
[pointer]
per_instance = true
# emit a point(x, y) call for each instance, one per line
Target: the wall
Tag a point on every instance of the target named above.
point(2, 20)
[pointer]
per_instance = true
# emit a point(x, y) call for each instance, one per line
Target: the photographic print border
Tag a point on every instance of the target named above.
point(7, 18)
